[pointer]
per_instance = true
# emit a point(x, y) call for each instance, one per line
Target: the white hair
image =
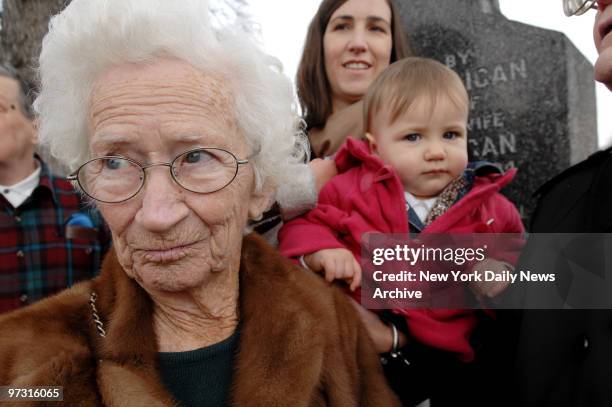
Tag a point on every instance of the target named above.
point(91, 36)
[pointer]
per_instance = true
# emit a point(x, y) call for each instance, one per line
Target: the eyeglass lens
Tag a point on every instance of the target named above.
point(578, 7)
point(116, 179)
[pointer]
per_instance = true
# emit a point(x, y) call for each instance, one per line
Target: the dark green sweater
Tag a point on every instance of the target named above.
point(200, 377)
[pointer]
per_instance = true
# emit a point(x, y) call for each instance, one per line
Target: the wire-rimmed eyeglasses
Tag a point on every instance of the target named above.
point(578, 7)
point(114, 179)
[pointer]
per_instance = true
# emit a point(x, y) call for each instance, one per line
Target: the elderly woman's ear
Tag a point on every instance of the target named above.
point(261, 200)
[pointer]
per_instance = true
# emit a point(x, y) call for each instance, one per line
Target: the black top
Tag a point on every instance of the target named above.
point(200, 377)
point(563, 358)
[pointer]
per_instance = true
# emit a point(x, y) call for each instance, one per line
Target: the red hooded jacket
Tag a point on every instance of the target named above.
point(368, 196)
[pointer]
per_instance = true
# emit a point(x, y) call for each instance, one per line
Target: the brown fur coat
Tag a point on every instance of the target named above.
point(300, 343)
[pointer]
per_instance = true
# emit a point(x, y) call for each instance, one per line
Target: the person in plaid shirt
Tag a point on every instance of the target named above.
point(49, 239)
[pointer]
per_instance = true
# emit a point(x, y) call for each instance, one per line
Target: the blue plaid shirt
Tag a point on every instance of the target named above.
point(51, 241)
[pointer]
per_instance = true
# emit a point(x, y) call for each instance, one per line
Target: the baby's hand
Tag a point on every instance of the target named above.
point(490, 289)
point(338, 264)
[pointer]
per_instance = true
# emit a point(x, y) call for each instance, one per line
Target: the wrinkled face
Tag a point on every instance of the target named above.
point(427, 145)
point(357, 47)
point(602, 33)
point(17, 134)
point(167, 238)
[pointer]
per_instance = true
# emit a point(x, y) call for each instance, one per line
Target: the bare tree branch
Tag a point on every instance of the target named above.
point(25, 22)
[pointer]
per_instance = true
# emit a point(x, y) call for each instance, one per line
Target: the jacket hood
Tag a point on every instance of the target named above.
point(355, 153)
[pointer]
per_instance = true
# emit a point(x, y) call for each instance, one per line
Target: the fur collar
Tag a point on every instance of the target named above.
point(292, 326)
point(270, 335)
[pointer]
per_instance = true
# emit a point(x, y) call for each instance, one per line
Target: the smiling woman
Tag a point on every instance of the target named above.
point(180, 134)
point(348, 44)
point(357, 47)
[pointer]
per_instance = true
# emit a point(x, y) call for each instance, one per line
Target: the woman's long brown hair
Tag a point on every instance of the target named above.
point(313, 89)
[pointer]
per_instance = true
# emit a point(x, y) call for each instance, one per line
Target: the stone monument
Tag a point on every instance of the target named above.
point(532, 93)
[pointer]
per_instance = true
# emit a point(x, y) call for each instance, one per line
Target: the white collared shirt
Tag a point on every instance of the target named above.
point(17, 194)
point(420, 206)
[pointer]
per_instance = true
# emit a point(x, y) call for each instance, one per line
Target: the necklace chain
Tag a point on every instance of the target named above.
point(94, 312)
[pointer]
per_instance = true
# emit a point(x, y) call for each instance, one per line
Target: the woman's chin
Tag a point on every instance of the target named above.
point(172, 278)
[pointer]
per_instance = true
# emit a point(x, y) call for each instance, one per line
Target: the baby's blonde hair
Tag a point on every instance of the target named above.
point(408, 79)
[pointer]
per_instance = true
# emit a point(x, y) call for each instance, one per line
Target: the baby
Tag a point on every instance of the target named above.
point(411, 174)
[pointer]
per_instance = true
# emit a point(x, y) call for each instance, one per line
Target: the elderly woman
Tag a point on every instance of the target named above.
point(179, 134)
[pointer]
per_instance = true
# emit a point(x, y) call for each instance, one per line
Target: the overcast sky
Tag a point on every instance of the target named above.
point(284, 22)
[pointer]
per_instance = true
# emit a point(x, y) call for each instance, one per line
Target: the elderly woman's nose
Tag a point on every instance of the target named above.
point(162, 205)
